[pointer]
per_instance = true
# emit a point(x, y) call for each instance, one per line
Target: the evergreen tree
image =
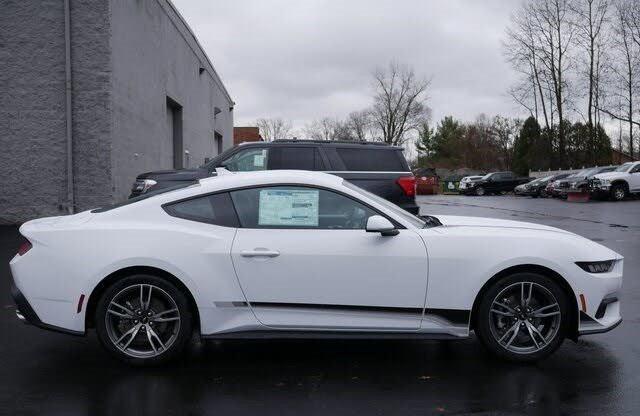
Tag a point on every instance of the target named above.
point(526, 145)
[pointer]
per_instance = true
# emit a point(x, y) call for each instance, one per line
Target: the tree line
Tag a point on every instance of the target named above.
point(502, 143)
point(579, 67)
point(578, 59)
point(397, 110)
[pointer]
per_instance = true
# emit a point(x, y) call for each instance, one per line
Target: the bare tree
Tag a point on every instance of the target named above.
point(399, 102)
point(538, 45)
point(625, 68)
point(273, 128)
point(322, 129)
point(590, 24)
point(552, 21)
point(359, 123)
point(521, 50)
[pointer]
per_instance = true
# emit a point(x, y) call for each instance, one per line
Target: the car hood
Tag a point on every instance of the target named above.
point(458, 221)
point(608, 175)
point(175, 174)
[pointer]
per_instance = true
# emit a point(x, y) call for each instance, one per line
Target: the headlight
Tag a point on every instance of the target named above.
point(143, 185)
point(596, 266)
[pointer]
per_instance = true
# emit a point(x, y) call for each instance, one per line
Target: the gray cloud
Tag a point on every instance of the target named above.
point(307, 59)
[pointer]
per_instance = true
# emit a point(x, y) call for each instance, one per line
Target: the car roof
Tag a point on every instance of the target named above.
point(328, 143)
point(228, 180)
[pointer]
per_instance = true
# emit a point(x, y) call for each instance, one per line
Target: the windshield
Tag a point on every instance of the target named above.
point(215, 162)
point(624, 167)
point(415, 221)
point(487, 176)
point(592, 172)
point(578, 174)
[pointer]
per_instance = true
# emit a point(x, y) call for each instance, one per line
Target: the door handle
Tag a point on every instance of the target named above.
point(260, 252)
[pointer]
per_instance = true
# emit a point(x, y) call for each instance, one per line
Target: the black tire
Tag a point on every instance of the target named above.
point(480, 191)
point(618, 192)
point(179, 330)
point(484, 320)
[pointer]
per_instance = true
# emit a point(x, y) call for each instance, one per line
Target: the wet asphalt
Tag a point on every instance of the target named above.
point(53, 374)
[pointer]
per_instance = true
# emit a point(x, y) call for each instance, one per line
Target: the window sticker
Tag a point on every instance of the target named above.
point(288, 207)
point(258, 160)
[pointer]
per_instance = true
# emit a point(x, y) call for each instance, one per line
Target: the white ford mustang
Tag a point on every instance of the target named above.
point(300, 254)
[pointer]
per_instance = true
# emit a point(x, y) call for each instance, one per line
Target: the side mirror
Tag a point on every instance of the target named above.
point(379, 224)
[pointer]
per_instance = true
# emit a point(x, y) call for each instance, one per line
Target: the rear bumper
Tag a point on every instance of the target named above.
point(26, 314)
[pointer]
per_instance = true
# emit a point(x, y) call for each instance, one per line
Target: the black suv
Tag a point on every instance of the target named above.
point(494, 183)
point(376, 167)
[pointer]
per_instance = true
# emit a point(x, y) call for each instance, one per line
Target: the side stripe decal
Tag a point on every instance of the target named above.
point(455, 316)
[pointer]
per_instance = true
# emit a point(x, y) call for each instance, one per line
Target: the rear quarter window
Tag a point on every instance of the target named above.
point(214, 209)
point(383, 160)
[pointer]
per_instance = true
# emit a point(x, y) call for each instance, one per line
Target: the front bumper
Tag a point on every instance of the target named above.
point(26, 314)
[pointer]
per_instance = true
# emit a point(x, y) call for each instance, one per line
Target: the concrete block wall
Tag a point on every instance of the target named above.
point(127, 56)
point(33, 181)
point(155, 56)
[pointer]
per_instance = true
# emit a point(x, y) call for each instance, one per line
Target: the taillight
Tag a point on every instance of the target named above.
point(24, 247)
point(408, 185)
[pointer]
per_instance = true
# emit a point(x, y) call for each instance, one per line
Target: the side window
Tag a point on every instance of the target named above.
point(247, 160)
point(213, 209)
point(305, 158)
point(299, 207)
point(365, 159)
point(635, 169)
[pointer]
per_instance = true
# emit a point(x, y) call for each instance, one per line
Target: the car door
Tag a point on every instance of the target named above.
point(634, 178)
point(507, 182)
point(304, 260)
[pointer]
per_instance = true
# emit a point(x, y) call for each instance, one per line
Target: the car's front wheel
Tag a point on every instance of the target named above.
point(143, 320)
point(618, 192)
point(522, 317)
point(480, 191)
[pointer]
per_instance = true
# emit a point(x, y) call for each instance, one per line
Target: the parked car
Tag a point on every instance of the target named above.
point(377, 167)
point(427, 181)
point(562, 187)
point(495, 182)
point(617, 184)
point(538, 188)
point(520, 189)
point(279, 254)
point(582, 184)
point(468, 179)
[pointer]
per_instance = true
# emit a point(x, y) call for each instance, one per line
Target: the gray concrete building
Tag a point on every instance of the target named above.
point(94, 92)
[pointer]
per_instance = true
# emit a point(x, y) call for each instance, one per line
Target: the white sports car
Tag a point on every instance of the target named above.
point(278, 254)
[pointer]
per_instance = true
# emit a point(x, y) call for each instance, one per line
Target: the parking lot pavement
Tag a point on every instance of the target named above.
point(49, 373)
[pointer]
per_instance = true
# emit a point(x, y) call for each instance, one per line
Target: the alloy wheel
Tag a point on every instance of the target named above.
point(619, 193)
point(480, 191)
point(524, 317)
point(142, 320)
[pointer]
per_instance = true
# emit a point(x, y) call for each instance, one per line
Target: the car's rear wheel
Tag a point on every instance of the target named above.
point(143, 320)
point(479, 191)
point(618, 192)
point(522, 317)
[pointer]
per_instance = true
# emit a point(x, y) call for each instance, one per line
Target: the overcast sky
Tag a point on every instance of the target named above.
point(306, 59)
